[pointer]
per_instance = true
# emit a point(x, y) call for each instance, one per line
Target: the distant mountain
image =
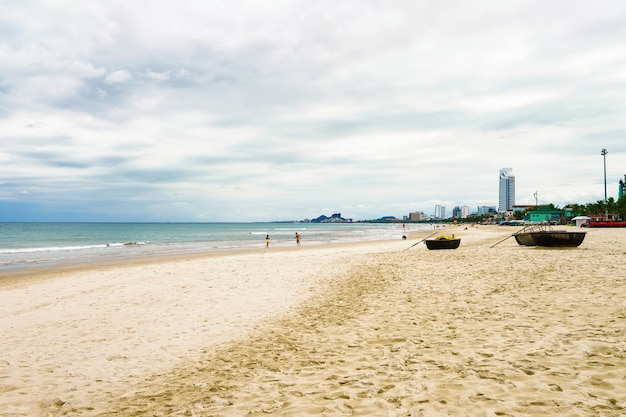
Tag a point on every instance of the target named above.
point(335, 218)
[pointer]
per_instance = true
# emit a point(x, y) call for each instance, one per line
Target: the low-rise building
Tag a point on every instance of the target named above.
point(417, 216)
point(539, 216)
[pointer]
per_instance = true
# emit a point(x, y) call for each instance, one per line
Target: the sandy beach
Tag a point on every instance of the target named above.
point(370, 329)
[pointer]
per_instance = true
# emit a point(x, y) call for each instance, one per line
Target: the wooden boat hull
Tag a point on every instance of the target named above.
point(524, 239)
point(434, 244)
point(551, 238)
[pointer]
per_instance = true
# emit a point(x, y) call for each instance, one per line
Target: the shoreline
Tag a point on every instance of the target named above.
point(347, 329)
point(53, 269)
point(53, 244)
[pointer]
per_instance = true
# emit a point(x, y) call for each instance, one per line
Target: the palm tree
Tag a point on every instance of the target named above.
point(596, 209)
point(611, 206)
point(620, 207)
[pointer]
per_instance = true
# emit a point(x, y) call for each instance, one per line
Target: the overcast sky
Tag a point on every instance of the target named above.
point(118, 110)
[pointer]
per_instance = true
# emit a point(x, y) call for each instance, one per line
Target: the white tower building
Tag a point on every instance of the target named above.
point(506, 199)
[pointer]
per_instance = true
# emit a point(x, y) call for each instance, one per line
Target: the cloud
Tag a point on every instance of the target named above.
point(157, 76)
point(118, 77)
point(286, 109)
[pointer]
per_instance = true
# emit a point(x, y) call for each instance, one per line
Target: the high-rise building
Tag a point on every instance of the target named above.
point(485, 210)
point(506, 198)
point(465, 212)
point(440, 212)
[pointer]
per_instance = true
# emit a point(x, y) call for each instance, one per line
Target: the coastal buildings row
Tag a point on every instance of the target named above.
point(458, 212)
point(506, 203)
point(506, 209)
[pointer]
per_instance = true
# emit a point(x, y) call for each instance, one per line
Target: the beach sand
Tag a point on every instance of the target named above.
point(373, 329)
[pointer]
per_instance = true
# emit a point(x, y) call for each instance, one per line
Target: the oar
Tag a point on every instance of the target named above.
point(422, 240)
point(509, 236)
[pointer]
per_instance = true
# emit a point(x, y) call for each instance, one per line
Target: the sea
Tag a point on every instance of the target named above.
point(32, 244)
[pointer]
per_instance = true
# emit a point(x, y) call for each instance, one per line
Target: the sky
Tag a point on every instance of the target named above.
point(272, 110)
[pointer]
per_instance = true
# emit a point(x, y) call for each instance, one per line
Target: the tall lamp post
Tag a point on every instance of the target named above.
point(606, 207)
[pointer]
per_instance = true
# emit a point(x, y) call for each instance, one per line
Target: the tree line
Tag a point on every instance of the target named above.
point(600, 207)
point(615, 209)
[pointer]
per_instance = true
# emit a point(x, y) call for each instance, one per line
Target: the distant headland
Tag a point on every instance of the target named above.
point(335, 218)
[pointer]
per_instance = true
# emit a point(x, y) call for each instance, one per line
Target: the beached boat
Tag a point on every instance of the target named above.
point(558, 238)
point(604, 223)
point(542, 235)
point(443, 242)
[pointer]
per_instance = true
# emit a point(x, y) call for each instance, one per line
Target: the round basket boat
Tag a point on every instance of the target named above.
point(443, 242)
point(554, 238)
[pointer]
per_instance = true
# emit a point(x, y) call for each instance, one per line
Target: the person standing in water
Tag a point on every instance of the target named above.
point(267, 241)
point(297, 239)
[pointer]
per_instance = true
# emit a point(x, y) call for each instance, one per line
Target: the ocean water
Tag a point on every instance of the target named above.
point(36, 244)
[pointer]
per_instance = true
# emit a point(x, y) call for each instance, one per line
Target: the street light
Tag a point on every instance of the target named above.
point(606, 208)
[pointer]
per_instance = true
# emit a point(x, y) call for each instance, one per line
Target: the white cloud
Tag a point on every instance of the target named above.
point(118, 77)
point(157, 76)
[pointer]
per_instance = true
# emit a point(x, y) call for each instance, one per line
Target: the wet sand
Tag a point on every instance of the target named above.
point(362, 330)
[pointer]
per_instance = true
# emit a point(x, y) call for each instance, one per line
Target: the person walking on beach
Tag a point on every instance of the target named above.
point(297, 239)
point(267, 241)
